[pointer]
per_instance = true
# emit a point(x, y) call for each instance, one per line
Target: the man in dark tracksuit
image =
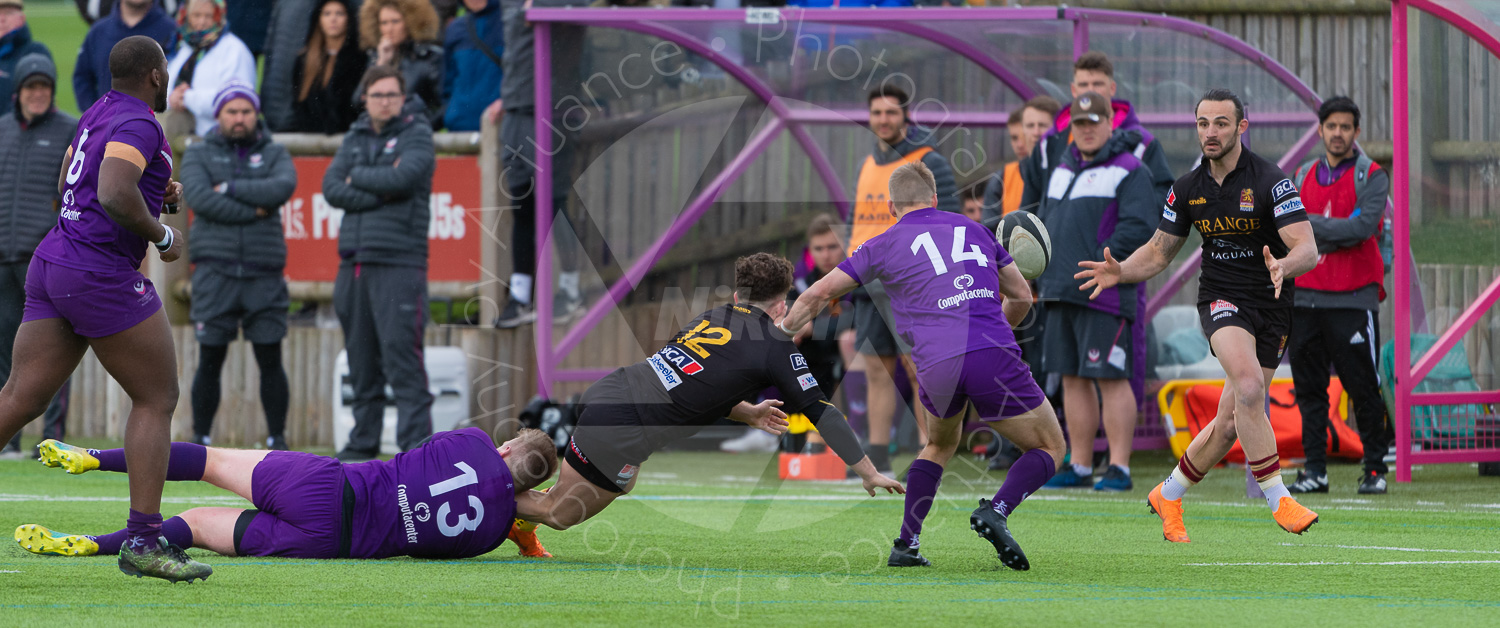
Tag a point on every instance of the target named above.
point(235, 181)
point(34, 137)
point(1100, 196)
point(518, 154)
point(382, 179)
point(1336, 302)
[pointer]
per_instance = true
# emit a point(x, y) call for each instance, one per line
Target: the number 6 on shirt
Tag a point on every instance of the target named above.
point(924, 242)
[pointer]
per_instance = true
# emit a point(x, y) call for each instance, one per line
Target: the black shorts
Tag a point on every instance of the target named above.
point(223, 305)
point(872, 329)
point(1084, 342)
point(1269, 326)
point(609, 444)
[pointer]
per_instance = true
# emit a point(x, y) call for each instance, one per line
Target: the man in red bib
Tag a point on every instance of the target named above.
point(1336, 302)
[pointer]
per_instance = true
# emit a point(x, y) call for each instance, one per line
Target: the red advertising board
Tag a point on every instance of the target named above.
point(312, 225)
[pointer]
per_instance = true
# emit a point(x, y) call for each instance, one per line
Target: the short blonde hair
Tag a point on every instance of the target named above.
point(912, 184)
point(533, 459)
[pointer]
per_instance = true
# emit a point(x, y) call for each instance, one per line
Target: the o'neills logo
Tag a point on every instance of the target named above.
point(982, 293)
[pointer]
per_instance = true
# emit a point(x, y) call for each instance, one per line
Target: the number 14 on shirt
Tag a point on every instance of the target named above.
point(924, 242)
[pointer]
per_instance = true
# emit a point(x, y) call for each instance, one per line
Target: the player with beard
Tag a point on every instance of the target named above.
point(1256, 238)
point(84, 290)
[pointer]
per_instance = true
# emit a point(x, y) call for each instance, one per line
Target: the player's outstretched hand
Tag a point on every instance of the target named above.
point(877, 481)
point(175, 251)
point(766, 416)
point(1101, 276)
point(1277, 272)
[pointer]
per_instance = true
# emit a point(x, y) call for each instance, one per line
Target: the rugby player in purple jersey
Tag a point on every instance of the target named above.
point(947, 277)
point(84, 290)
point(452, 497)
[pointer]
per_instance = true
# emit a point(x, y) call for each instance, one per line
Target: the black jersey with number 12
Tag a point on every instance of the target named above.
point(1237, 219)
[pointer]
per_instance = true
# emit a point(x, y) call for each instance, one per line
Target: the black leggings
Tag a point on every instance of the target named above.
point(275, 394)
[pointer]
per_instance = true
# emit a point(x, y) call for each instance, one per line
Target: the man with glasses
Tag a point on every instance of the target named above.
point(382, 178)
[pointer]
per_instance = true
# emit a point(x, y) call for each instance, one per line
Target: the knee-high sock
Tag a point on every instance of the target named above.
point(186, 463)
point(1027, 475)
point(175, 529)
point(921, 488)
point(854, 390)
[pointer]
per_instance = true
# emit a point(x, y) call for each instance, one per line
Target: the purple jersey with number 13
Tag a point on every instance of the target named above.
point(942, 272)
point(86, 238)
point(450, 498)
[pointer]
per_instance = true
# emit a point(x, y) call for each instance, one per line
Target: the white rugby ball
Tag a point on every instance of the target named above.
point(1025, 237)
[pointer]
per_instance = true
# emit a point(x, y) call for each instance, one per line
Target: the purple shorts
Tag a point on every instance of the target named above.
point(301, 502)
point(96, 304)
point(997, 380)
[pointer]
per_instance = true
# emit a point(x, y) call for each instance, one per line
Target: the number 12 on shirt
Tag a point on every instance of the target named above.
point(924, 242)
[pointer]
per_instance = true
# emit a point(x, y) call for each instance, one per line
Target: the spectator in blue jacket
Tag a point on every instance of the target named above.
point(473, 47)
point(15, 42)
point(131, 17)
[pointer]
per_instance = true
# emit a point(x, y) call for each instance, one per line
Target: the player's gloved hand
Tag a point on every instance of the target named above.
point(1277, 271)
point(765, 416)
point(1101, 276)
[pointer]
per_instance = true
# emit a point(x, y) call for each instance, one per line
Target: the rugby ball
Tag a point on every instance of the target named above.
point(1025, 237)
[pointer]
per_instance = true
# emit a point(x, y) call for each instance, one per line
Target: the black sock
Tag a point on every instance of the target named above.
point(275, 394)
point(880, 456)
point(206, 386)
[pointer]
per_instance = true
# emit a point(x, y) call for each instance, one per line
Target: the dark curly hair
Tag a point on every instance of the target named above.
point(762, 277)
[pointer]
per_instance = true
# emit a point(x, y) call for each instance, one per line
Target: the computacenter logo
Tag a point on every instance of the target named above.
point(962, 282)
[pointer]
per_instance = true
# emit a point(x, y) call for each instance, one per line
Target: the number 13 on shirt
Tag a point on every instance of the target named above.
point(924, 242)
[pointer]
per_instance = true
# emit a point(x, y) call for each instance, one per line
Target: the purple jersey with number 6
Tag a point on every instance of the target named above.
point(942, 272)
point(86, 238)
point(450, 498)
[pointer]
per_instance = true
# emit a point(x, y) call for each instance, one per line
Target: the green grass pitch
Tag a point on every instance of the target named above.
point(715, 539)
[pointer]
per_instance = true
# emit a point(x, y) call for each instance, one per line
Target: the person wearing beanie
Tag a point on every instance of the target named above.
point(210, 56)
point(15, 44)
point(235, 182)
point(34, 139)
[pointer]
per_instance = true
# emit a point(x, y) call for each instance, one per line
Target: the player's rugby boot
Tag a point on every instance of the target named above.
point(39, 540)
point(903, 555)
point(523, 534)
point(72, 459)
point(165, 561)
point(991, 526)
point(1294, 517)
point(1170, 512)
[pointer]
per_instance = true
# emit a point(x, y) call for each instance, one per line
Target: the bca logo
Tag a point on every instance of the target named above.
point(799, 363)
point(682, 361)
point(1282, 189)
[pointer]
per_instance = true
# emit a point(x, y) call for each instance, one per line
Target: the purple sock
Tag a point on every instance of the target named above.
point(175, 529)
point(855, 391)
point(142, 530)
point(185, 464)
point(1025, 476)
point(922, 482)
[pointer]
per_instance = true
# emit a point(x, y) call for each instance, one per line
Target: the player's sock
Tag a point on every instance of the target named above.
point(1183, 477)
point(109, 544)
point(185, 463)
point(1083, 470)
point(922, 482)
point(1028, 474)
point(854, 391)
point(175, 529)
point(568, 282)
point(142, 531)
point(880, 455)
point(520, 288)
point(1267, 473)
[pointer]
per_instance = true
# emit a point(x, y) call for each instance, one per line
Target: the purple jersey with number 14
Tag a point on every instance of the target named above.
point(450, 498)
point(86, 238)
point(942, 272)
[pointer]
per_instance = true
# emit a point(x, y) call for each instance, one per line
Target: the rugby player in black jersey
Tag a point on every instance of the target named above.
point(723, 357)
point(1256, 238)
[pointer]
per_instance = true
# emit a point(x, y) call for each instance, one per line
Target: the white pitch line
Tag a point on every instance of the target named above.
point(8, 571)
point(206, 499)
point(1393, 549)
point(1317, 563)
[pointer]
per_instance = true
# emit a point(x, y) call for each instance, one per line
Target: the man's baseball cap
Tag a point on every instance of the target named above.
point(1091, 106)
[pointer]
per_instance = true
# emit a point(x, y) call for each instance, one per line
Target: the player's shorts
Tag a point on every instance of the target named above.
point(609, 444)
point(872, 334)
point(96, 304)
point(1084, 342)
point(1269, 326)
point(223, 304)
point(995, 379)
point(305, 508)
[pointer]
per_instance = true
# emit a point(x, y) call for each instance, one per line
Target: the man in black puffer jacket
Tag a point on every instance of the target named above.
point(33, 140)
point(382, 179)
point(235, 181)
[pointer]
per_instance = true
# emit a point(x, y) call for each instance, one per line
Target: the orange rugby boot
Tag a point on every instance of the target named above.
point(1294, 517)
point(523, 534)
point(1170, 512)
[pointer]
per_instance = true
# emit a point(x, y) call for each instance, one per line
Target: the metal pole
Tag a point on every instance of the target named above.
point(543, 206)
point(1401, 171)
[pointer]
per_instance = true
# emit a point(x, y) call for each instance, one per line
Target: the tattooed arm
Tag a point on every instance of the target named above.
point(1144, 264)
